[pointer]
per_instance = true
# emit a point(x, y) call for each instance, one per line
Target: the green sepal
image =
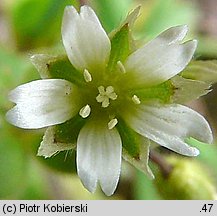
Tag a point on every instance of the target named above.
point(130, 20)
point(60, 141)
point(162, 92)
point(175, 90)
point(120, 47)
point(201, 70)
point(186, 90)
point(57, 67)
point(68, 132)
point(122, 43)
point(135, 148)
point(130, 139)
point(50, 145)
point(61, 137)
point(64, 153)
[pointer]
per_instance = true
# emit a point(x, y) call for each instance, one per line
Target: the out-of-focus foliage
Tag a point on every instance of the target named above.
point(36, 24)
point(111, 12)
point(158, 15)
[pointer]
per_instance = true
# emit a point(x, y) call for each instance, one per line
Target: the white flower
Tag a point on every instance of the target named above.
point(106, 98)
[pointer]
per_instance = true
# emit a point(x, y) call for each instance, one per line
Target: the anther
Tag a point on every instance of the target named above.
point(121, 67)
point(136, 99)
point(112, 123)
point(87, 76)
point(85, 111)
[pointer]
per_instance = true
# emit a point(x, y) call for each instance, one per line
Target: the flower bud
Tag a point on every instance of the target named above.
point(188, 180)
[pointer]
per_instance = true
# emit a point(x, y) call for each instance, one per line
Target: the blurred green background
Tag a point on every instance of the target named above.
point(32, 26)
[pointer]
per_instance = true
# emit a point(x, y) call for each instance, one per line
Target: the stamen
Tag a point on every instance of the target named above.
point(101, 89)
point(121, 67)
point(112, 123)
point(104, 95)
point(109, 89)
point(105, 102)
point(85, 111)
point(87, 76)
point(136, 99)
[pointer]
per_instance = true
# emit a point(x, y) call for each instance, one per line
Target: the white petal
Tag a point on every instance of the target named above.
point(87, 13)
point(99, 156)
point(161, 59)
point(170, 125)
point(86, 43)
point(172, 35)
point(41, 103)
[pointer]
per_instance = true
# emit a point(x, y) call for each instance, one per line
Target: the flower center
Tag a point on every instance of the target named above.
point(105, 95)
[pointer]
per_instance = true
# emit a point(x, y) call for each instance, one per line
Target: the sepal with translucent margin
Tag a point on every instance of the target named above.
point(201, 70)
point(49, 146)
point(135, 148)
point(142, 162)
point(58, 67)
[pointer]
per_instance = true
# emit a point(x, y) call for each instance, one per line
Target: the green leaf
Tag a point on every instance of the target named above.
point(58, 67)
point(201, 70)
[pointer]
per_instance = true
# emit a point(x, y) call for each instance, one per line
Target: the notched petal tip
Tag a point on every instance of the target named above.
point(170, 125)
point(174, 34)
point(36, 106)
point(166, 57)
point(89, 182)
point(86, 42)
point(87, 13)
point(70, 9)
point(192, 44)
point(99, 156)
point(10, 117)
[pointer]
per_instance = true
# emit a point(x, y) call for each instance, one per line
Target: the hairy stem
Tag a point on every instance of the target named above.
point(157, 158)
